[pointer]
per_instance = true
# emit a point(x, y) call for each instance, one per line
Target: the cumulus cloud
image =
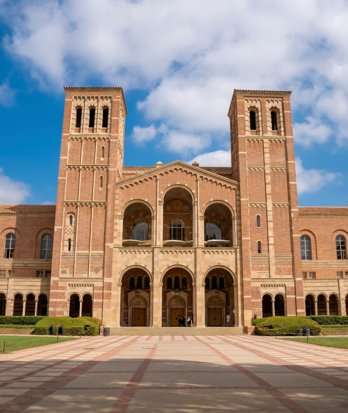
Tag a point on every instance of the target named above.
point(188, 58)
point(215, 158)
point(312, 180)
point(11, 191)
point(144, 134)
point(311, 131)
point(7, 94)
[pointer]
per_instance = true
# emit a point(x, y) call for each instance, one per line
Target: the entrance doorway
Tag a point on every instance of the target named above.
point(138, 317)
point(215, 317)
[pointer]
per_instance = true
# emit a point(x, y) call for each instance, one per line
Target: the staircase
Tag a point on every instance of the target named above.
point(175, 331)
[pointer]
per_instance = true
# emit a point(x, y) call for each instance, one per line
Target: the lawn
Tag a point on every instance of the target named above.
point(339, 342)
point(13, 343)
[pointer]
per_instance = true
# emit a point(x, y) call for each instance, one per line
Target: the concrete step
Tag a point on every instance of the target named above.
point(175, 331)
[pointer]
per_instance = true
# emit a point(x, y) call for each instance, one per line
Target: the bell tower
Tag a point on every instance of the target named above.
point(91, 163)
point(263, 162)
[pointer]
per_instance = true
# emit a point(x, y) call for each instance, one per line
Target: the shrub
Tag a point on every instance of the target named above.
point(20, 320)
point(329, 319)
point(84, 326)
point(285, 325)
point(257, 321)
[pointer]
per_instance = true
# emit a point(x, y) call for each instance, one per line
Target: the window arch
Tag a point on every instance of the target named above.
point(10, 244)
point(69, 244)
point(91, 117)
point(177, 230)
point(2, 304)
point(279, 305)
point(102, 156)
point(18, 304)
point(258, 221)
point(46, 247)
point(259, 247)
point(306, 248)
point(252, 119)
point(71, 219)
point(74, 305)
point(100, 182)
point(274, 120)
point(78, 120)
point(105, 120)
point(341, 247)
point(267, 306)
point(87, 306)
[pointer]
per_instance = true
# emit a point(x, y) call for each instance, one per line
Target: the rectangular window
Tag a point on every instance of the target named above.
point(105, 117)
point(312, 275)
point(339, 274)
point(91, 117)
point(39, 273)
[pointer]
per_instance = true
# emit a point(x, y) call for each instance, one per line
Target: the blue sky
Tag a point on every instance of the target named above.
point(178, 62)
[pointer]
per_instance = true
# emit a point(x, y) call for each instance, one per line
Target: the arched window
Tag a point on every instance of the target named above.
point(10, 244)
point(132, 283)
point(184, 283)
point(274, 120)
point(207, 283)
point(169, 283)
point(146, 283)
point(102, 152)
point(176, 283)
point(306, 248)
point(212, 231)
point(105, 117)
point(252, 119)
point(177, 230)
point(91, 117)
point(78, 117)
point(258, 221)
point(221, 283)
point(333, 304)
point(46, 247)
point(322, 309)
point(69, 244)
point(139, 282)
point(214, 283)
point(341, 247)
point(100, 182)
point(259, 247)
point(71, 220)
point(140, 231)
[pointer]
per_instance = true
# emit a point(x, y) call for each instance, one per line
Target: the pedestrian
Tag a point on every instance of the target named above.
point(228, 319)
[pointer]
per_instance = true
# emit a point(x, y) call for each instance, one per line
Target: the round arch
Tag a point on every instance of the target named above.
point(137, 224)
point(310, 304)
point(30, 304)
point(177, 296)
point(74, 305)
point(18, 304)
point(279, 304)
point(135, 285)
point(333, 304)
point(3, 301)
point(218, 225)
point(267, 310)
point(42, 304)
point(322, 304)
point(177, 186)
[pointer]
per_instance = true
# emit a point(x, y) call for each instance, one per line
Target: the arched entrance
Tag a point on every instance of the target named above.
point(177, 297)
point(74, 305)
point(279, 305)
point(18, 304)
point(30, 305)
point(310, 305)
point(137, 225)
point(135, 298)
point(2, 304)
point(267, 306)
point(219, 298)
point(217, 226)
point(42, 305)
point(87, 306)
point(333, 304)
point(322, 309)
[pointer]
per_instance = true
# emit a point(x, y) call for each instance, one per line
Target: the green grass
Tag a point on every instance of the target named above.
point(339, 342)
point(13, 343)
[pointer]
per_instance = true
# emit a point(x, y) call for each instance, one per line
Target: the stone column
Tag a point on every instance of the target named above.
point(36, 305)
point(80, 308)
point(199, 316)
point(273, 307)
point(316, 307)
point(23, 307)
point(327, 307)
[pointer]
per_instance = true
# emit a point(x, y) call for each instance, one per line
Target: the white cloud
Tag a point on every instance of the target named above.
point(216, 158)
point(144, 134)
point(184, 143)
point(11, 191)
point(312, 180)
point(188, 58)
point(7, 94)
point(311, 131)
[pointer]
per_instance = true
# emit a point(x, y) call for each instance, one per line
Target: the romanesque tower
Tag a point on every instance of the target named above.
point(91, 162)
point(263, 162)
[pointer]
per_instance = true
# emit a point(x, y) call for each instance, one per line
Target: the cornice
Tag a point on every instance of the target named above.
point(85, 203)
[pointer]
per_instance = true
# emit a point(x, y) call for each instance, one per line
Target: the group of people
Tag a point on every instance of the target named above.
point(182, 320)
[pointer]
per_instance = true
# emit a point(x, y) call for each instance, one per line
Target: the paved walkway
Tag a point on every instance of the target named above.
point(175, 374)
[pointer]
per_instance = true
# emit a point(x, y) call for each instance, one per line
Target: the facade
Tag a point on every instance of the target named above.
point(155, 246)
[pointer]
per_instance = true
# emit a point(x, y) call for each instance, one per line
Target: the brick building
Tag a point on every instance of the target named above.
point(146, 245)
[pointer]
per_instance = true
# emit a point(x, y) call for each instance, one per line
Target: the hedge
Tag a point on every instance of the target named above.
point(68, 326)
point(20, 320)
point(285, 325)
point(330, 319)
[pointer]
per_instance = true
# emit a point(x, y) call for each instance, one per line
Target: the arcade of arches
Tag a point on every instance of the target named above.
point(178, 298)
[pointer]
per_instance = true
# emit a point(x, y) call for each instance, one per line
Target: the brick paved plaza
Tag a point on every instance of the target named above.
point(175, 374)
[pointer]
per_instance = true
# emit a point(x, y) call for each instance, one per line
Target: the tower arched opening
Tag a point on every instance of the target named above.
point(137, 225)
point(217, 226)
